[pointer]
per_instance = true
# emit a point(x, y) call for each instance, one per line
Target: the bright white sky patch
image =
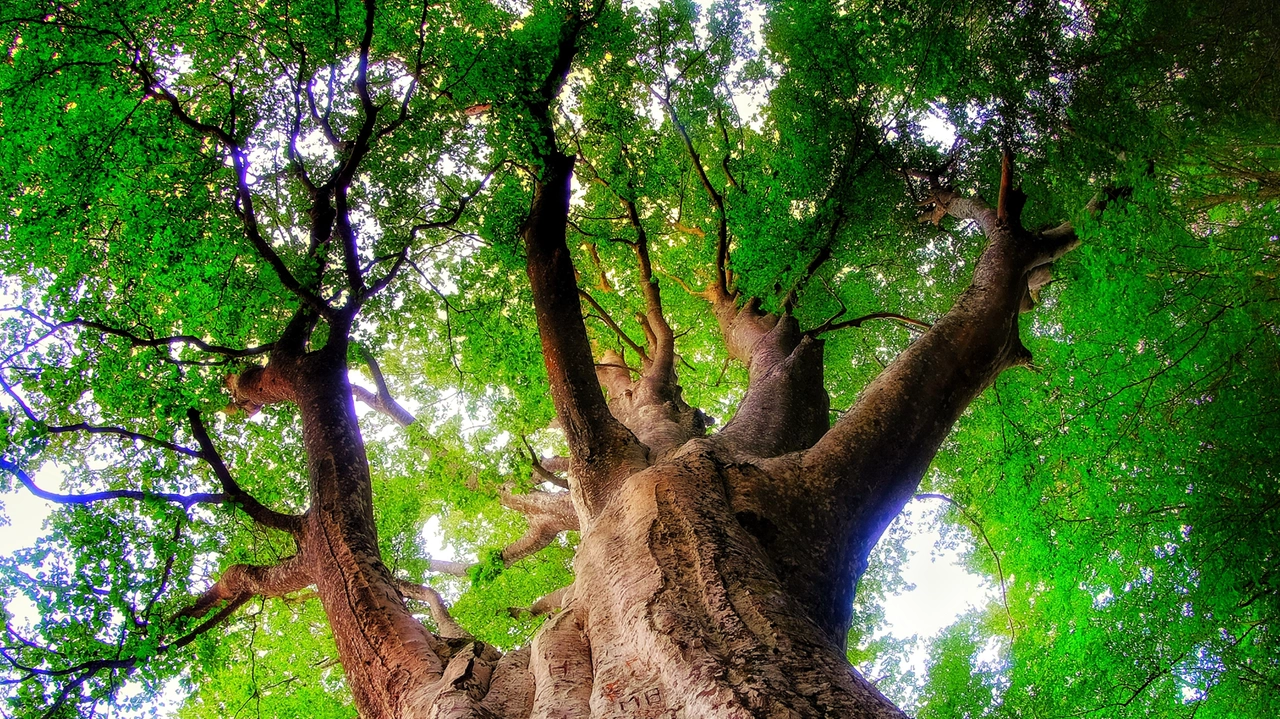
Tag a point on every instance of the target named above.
point(937, 130)
point(944, 588)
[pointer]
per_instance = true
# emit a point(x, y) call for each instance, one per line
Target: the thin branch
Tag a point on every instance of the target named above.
point(186, 501)
point(604, 317)
point(87, 670)
point(717, 199)
point(540, 470)
point(829, 326)
point(92, 428)
point(243, 207)
point(138, 341)
point(386, 279)
point(1004, 595)
point(257, 511)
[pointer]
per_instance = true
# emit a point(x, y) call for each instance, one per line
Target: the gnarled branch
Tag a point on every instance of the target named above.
point(241, 582)
point(548, 513)
point(446, 626)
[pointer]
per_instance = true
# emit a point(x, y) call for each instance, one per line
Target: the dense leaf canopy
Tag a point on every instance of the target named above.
point(157, 159)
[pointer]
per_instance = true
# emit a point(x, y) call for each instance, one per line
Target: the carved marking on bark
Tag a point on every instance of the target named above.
point(561, 661)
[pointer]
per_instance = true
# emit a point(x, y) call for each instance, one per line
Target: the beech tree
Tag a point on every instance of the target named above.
point(662, 315)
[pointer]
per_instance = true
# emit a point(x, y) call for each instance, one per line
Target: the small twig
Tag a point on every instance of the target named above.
point(858, 322)
point(1004, 595)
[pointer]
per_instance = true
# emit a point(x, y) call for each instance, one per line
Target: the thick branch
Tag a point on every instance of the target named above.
point(603, 450)
point(545, 604)
point(879, 450)
point(600, 446)
point(383, 404)
point(446, 626)
point(241, 582)
point(663, 348)
point(350, 251)
point(444, 566)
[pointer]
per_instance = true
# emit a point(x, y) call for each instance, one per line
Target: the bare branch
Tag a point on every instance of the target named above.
point(446, 626)
point(444, 566)
point(549, 514)
point(257, 511)
point(1004, 595)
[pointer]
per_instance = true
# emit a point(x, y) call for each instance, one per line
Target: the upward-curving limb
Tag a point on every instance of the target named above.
point(602, 450)
point(878, 451)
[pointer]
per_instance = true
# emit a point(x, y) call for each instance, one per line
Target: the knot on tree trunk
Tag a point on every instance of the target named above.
point(256, 387)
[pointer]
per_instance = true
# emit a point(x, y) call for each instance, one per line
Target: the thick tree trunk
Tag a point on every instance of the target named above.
point(387, 653)
point(685, 613)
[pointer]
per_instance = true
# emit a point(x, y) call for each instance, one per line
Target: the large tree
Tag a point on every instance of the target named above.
point(715, 302)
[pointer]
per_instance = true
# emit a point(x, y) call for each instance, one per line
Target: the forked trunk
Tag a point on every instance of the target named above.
point(714, 578)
